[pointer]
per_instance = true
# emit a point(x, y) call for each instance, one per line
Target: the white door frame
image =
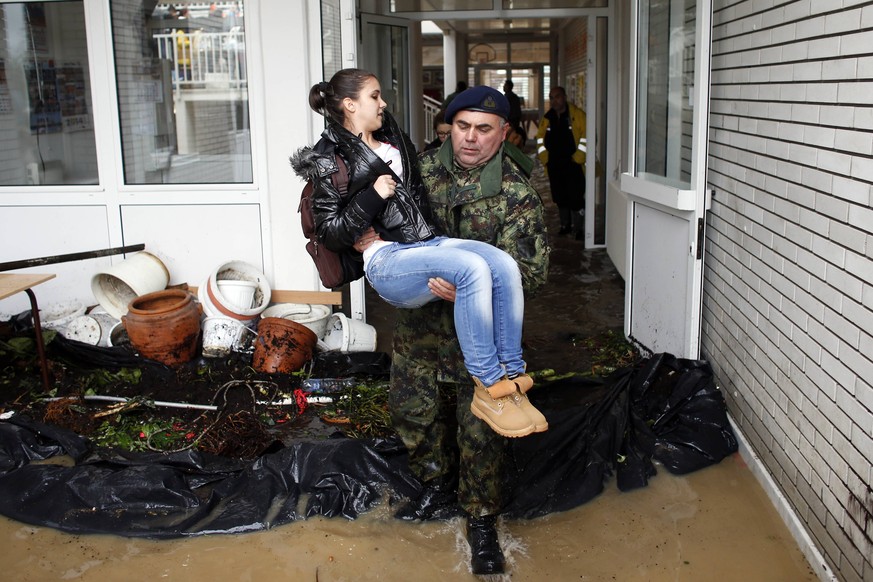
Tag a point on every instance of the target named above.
point(658, 316)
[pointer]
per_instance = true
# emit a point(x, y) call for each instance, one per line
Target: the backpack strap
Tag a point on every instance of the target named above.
point(340, 178)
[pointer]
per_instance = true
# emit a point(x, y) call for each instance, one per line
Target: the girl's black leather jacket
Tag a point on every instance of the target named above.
point(340, 219)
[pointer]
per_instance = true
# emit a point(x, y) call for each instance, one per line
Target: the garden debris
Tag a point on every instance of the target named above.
point(239, 435)
point(362, 407)
point(610, 352)
point(126, 406)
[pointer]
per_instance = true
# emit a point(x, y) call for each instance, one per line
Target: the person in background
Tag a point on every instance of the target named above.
point(515, 105)
point(441, 130)
point(461, 86)
point(515, 138)
point(562, 147)
point(477, 189)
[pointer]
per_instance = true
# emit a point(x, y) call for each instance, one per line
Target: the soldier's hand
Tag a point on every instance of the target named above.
point(442, 288)
point(368, 237)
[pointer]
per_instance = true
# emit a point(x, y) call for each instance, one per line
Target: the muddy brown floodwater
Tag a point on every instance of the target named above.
point(714, 524)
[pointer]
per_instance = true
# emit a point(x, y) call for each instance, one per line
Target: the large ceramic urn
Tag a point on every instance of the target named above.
point(164, 326)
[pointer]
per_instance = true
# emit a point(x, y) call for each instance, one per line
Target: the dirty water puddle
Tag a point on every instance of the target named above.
point(712, 524)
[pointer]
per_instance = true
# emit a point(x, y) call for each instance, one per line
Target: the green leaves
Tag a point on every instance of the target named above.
point(132, 433)
point(365, 406)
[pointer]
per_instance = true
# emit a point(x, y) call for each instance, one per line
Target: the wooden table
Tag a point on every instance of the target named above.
point(10, 284)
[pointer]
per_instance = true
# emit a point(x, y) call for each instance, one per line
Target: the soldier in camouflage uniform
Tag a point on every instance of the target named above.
point(478, 189)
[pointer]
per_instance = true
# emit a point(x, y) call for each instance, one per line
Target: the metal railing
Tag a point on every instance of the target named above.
point(431, 108)
point(205, 59)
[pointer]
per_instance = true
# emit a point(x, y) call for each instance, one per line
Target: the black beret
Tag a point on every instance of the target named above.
point(479, 98)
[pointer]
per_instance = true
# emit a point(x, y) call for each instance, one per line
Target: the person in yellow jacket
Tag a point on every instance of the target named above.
point(562, 147)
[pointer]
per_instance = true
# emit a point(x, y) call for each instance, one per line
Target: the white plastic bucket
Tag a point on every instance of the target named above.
point(216, 304)
point(221, 335)
point(349, 335)
point(115, 287)
point(312, 316)
point(240, 294)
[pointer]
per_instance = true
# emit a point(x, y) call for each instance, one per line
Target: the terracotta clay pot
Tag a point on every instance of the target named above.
point(164, 326)
point(282, 346)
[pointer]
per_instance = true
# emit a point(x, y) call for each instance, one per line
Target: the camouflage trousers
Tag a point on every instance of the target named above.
point(445, 441)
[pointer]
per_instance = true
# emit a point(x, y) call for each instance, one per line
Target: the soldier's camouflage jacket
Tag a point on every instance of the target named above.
point(494, 203)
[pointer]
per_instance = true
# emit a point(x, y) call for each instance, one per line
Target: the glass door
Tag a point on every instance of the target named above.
point(666, 182)
point(385, 52)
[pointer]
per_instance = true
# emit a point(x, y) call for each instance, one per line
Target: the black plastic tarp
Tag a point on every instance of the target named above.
point(664, 409)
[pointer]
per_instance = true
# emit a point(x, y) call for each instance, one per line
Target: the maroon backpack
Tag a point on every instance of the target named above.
point(334, 269)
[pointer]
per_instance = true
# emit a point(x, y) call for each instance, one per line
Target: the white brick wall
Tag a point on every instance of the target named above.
point(788, 292)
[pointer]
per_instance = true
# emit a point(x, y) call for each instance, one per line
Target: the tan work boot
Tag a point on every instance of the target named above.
point(537, 417)
point(524, 382)
point(497, 407)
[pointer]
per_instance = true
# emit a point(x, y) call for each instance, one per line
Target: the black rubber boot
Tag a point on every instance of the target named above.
point(487, 557)
point(437, 501)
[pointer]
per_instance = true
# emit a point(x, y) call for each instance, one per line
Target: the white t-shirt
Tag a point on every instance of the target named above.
point(391, 156)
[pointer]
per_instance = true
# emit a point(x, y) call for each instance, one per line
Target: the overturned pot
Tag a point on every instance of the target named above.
point(140, 274)
point(282, 346)
point(164, 326)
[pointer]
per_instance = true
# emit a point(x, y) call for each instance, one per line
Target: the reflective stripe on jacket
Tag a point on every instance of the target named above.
point(577, 124)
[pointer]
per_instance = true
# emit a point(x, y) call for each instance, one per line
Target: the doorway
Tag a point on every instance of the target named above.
point(523, 49)
point(530, 83)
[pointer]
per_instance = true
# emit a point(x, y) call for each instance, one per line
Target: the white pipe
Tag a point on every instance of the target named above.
point(286, 402)
point(155, 402)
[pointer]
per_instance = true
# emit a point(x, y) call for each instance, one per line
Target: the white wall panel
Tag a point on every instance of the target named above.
point(30, 232)
point(289, 34)
point(192, 240)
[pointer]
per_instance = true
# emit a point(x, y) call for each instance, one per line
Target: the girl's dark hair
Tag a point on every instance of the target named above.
point(327, 97)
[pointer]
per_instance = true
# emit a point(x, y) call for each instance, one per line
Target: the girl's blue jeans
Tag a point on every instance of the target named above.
point(489, 303)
